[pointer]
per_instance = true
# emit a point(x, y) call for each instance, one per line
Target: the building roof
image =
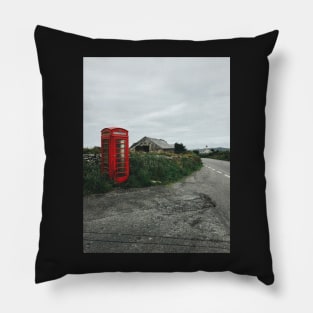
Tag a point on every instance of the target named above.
point(159, 142)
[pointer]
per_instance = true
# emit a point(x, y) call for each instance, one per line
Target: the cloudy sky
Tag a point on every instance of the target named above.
point(176, 99)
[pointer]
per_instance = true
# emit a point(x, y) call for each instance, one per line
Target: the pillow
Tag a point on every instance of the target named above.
point(154, 155)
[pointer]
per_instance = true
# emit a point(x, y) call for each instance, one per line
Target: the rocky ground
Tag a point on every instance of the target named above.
point(190, 216)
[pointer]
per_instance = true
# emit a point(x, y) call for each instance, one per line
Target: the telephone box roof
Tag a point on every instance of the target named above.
point(113, 128)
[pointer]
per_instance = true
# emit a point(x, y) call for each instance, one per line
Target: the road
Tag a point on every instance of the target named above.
point(190, 216)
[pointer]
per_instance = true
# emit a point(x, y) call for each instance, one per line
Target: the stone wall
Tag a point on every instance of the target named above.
point(91, 157)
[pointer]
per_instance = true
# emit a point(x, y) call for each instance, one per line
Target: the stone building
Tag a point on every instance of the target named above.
point(147, 144)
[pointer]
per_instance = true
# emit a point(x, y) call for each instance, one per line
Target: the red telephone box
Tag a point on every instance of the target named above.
point(115, 153)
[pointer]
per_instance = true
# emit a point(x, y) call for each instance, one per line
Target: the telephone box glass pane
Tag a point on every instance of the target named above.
point(120, 157)
point(105, 146)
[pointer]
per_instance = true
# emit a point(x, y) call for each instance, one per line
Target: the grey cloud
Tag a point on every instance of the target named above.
point(177, 99)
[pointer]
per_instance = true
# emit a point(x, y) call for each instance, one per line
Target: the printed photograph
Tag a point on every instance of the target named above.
point(156, 155)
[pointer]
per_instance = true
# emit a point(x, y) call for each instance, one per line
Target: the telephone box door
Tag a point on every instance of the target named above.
point(115, 153)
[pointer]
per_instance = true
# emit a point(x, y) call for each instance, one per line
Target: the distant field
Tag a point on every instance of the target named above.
point(146, 169)
point(218, 155)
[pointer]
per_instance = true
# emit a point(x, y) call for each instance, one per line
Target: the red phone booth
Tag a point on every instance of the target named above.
point(115, 153)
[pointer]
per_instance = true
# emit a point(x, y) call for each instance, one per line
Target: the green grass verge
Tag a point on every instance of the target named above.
point(146, 169)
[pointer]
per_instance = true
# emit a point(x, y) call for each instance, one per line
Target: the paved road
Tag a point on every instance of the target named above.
point(221, 166)
point(186, 217)
point(217, 183)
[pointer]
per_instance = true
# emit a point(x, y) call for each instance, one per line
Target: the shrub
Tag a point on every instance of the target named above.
point(93, 181)
point(146, 169)
point(179, 148)
point(94, 150)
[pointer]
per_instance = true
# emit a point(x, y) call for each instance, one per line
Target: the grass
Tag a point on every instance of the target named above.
point(93, 181)
point(146, 169)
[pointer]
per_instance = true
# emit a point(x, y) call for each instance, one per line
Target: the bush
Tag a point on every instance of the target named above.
point(94, 150)
point(146, 169)
point(179, 148)
point(93, 181)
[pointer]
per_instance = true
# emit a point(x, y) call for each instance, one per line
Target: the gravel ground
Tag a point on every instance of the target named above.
point(191, 216)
